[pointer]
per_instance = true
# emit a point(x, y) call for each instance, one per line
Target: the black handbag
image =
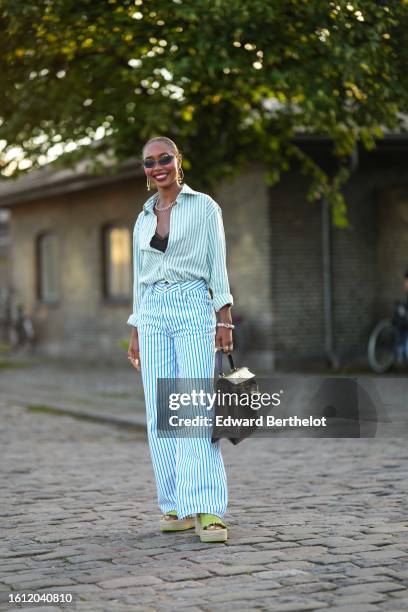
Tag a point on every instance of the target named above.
point(238, 384)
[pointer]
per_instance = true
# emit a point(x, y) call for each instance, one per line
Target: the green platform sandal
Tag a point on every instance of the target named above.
point(210, 528)
point(175, 524)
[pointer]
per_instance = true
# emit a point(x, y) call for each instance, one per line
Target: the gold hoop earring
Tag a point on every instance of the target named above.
point(148, 184)
point(180, 176)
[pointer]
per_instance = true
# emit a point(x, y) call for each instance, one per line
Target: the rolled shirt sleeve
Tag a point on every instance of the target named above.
point(216, 259)
point(138, 287)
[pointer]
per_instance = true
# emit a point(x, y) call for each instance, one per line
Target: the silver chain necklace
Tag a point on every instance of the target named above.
point(166, 207)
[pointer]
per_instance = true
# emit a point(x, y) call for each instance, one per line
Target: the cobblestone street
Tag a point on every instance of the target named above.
point(313, 524)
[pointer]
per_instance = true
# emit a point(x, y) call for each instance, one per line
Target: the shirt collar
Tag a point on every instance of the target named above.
point(148, 205)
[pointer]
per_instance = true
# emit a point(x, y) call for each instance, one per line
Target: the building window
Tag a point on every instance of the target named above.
point(117, 247)
point(4, 228)
point(47, 268)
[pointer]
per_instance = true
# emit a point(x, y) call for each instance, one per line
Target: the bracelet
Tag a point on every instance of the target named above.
point(228, 325)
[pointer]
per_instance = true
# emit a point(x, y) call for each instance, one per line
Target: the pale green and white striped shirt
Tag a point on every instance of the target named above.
point(196, 248)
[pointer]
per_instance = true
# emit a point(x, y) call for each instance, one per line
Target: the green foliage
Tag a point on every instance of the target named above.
point(229, 80)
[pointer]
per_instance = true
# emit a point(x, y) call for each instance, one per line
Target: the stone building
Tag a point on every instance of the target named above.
point(4, 248)
point(5, 300)
point(309, 292)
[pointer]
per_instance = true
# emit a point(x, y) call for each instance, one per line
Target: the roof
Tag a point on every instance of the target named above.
point(49, 181)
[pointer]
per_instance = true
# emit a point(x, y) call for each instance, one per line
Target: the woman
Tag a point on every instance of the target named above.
point(179, 254)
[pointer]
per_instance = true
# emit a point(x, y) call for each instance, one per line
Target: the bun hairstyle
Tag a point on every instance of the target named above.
point(168, 141)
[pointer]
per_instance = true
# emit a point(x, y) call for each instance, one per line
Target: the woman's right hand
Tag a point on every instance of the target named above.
point(133, 351)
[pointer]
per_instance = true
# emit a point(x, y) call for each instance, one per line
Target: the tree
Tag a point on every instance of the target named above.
point(230, 80)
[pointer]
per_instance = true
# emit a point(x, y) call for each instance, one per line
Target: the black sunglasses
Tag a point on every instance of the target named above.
point(162, 161)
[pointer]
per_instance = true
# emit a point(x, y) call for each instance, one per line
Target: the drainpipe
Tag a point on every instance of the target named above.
point(332, 357)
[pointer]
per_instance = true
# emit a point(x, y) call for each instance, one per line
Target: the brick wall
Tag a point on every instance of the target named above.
point(391, 254)
point(372, 255)
point(245, 205)
point(354, 270)
point(369, 258)
point(296, 277)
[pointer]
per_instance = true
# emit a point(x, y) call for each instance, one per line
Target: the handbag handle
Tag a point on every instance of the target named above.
point(231, 361)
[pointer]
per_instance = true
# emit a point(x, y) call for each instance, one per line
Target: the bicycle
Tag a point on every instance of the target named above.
point(388, 342)
point(16, 328)
point(22, 333)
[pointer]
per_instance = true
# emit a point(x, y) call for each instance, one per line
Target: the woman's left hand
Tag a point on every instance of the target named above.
point(223, 339)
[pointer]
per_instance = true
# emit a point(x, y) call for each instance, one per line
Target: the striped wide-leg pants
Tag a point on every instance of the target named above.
point(176, 330)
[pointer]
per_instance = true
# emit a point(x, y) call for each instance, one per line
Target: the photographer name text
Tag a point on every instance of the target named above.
point(260, 421)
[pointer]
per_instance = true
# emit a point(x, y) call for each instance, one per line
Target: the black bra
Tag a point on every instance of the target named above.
point(159, 242)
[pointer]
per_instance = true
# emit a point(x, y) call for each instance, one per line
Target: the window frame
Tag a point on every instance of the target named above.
point(109, 299)
point(39, 268)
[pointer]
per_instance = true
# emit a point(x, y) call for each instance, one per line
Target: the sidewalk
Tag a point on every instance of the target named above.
point(102, 392)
